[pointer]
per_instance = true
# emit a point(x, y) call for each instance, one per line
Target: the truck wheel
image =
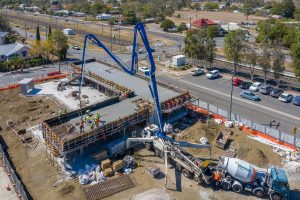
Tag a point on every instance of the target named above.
point(275, 196)
point(226, 185)
point(178, 167)
point(237, 188)
point(259, 193)
point(157, 152)
point(196, 179)
point(148, 146)
point(186, 173)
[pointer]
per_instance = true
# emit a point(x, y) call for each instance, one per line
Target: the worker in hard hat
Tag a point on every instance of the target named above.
point(98, 116)
point(96, 121)
point(216, 179)
point(92, 125)
point(87, 119)
point(81, 125)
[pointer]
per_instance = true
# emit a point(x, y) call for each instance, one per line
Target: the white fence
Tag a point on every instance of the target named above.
point(276, 133)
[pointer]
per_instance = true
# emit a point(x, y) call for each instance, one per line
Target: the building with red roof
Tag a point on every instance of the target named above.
point(203, 23)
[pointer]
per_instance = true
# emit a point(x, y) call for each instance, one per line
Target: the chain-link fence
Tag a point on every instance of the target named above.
point(12, 176)
point(275, 133)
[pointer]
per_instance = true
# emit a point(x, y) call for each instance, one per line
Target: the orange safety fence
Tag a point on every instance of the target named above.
point(36, 81)
point(246, 129)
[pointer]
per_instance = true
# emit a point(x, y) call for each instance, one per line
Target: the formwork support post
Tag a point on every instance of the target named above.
point(65, 159)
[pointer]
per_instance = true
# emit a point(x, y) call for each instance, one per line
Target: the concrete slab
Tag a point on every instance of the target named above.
point(4, 182)
point(49, 88)
point(139, 86)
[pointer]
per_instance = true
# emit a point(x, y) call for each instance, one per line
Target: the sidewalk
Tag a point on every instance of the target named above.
point(4, 182)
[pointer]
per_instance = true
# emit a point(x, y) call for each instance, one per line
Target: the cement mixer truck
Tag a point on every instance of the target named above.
point(239, 176)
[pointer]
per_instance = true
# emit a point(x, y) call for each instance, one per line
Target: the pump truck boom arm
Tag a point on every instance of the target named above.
point(139, 28)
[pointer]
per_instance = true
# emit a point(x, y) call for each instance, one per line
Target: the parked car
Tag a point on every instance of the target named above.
point(245, 85)
point(255, 87)
point(285, 97)
point(197, 71)
point(237, 81)
point(76, 47)
point(265, 89)
point(276, 92)
point(144, 69)
point(296, 100)
point(213, 74)
point(249, 95)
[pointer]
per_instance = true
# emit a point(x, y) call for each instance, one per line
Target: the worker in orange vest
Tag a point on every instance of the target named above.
point(216, 179)
point(81, 125)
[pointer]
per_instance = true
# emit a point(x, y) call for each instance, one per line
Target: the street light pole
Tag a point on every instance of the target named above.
point(230, 109)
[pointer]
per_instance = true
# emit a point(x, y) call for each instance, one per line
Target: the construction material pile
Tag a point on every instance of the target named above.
point(290, 159)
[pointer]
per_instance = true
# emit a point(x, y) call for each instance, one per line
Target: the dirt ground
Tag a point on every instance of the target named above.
point(247, 149)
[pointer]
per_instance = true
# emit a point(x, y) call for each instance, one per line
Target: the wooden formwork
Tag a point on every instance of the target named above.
point(107, 131)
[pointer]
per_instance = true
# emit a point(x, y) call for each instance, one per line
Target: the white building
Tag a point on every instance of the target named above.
point(9, 51)
point(178, 60)
point(104, 16)
point(2, 37)
point(69, 31)
point(79, 14)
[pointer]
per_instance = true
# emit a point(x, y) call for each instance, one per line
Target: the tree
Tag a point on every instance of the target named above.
point(182, 27)
point(38, 36)
point(278, 67)
point(210, 49)
point(286, 8)
point(247, 8)
point(289, 37)
point(233, 45)
point(167, 24)
point(250, 57)
point(60, 46)
point(265, 62)
point(212, 31)
point(195, 44)
point(130, 17)
point(49, 33)
point(295, 53)
point(271, 31)
point(4, 25)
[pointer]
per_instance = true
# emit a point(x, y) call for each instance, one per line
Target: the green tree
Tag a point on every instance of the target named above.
point(286, 8)
point(130, 17)
point(210, 49)
point(38, 36)
point(247, 8)
point(250, 56)
point(182, 27)
point(271, 31)
point(295, 53)
point(264, 62)
point(49, 33)
point(167, 24)
point(60, 45)
point(278, 67)
point(212, 31)
point(4, 24)
point(195, 44)
point(289, 37)
point(97, 8)
point(233, 45)
point(211, 6)
point(297, 14)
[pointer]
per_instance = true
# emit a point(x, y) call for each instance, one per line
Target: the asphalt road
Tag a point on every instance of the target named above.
point(217, 92)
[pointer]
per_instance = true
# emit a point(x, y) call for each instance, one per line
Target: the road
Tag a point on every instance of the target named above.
point(217, 92)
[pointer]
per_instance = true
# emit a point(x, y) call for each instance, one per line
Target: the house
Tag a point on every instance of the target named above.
point(9, 51)
point(203, 23)
point(79, 14)
point(178, 60)
point(104, 16)
point(3, 37)
point(69, 31)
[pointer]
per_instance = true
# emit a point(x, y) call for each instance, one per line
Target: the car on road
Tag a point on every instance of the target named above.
point(237, 81)
point(249, 95)
point(197, 72)
point(144, 69)
point(76, 47)
point(286, 97)
point(245, 85)
point(265, 89)
point(296, 100)
point(276, 92)
point(213, 74)
point(255, 87)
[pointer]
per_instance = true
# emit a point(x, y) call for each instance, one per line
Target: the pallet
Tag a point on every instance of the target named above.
point(108, 188)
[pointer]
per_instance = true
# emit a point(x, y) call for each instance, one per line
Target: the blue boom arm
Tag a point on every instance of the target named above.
point(139, 27)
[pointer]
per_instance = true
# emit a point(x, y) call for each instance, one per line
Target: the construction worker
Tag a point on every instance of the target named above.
point(87, 119)
point(96, 120)
point(81, 125)
point(216, 179)
point(98, 116)
point(92, 125)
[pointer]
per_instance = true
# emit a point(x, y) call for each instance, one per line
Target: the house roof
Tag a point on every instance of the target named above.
point(10, 49)
point(3, 34)
point(203, 22)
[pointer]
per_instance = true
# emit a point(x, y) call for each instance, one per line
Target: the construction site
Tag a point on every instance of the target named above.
point(107, 132)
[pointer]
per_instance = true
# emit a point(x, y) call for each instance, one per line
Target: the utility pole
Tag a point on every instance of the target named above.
point(111, 37)
point(119, 35)
point(25, 29)
point(102, 29)
point(190, 23)
point(230, 109)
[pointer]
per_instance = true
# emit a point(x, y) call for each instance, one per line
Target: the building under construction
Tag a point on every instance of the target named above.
point(127, 108)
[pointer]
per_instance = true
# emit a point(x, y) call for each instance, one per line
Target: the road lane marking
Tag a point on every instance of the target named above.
point(242, 100)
